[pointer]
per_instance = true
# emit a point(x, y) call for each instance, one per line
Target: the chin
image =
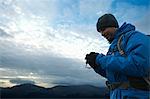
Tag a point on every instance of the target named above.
point(110, 40)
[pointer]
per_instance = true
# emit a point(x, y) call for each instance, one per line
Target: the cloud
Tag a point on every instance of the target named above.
point(44, 63)
point(137, 15)
point(55, 68)
point(134, 2)
point(78, 81)
point(21, 81)
point(3, 34)
point(144, 24)
point(91, 10)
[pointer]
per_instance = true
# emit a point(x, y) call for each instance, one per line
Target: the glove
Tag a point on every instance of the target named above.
point(91, 58)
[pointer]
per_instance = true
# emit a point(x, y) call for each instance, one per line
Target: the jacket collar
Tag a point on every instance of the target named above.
point(124, 29)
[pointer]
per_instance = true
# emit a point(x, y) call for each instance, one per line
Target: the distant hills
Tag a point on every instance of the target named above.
point(33, 91)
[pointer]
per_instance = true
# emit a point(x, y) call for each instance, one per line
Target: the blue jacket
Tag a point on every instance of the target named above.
point(136, 61)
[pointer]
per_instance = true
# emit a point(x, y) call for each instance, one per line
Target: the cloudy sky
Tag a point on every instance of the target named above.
point(44, 42)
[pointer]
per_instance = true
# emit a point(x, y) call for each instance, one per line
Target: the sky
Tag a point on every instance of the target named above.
point(44, 42)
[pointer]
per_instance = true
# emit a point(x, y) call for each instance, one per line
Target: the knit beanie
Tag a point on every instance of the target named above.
point(107, 20)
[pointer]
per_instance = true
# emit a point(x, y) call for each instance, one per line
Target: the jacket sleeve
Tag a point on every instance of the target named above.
point(135, 63)
point(99, 69)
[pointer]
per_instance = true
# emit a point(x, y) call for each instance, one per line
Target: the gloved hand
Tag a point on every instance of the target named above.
point(91, 59)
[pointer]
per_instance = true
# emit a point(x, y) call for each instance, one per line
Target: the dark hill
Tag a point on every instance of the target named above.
point(33, 91)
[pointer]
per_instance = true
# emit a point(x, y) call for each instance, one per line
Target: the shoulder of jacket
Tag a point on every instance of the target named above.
point(130, 35)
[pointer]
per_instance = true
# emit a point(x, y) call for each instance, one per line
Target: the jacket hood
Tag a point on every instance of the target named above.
point(124, 29)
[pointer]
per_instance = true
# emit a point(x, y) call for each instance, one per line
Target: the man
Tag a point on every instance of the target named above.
point(126, 65)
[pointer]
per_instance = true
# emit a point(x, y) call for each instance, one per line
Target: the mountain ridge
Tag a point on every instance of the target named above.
point(60, 91)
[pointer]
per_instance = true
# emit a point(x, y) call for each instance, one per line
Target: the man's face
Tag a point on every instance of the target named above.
point(108, 33)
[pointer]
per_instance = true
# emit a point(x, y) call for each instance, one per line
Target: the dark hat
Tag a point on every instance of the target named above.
point(107, 20)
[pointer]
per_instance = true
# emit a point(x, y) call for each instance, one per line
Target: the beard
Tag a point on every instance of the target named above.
point(110, 40)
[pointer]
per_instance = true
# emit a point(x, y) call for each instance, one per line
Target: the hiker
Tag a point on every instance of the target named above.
point(126, 66)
